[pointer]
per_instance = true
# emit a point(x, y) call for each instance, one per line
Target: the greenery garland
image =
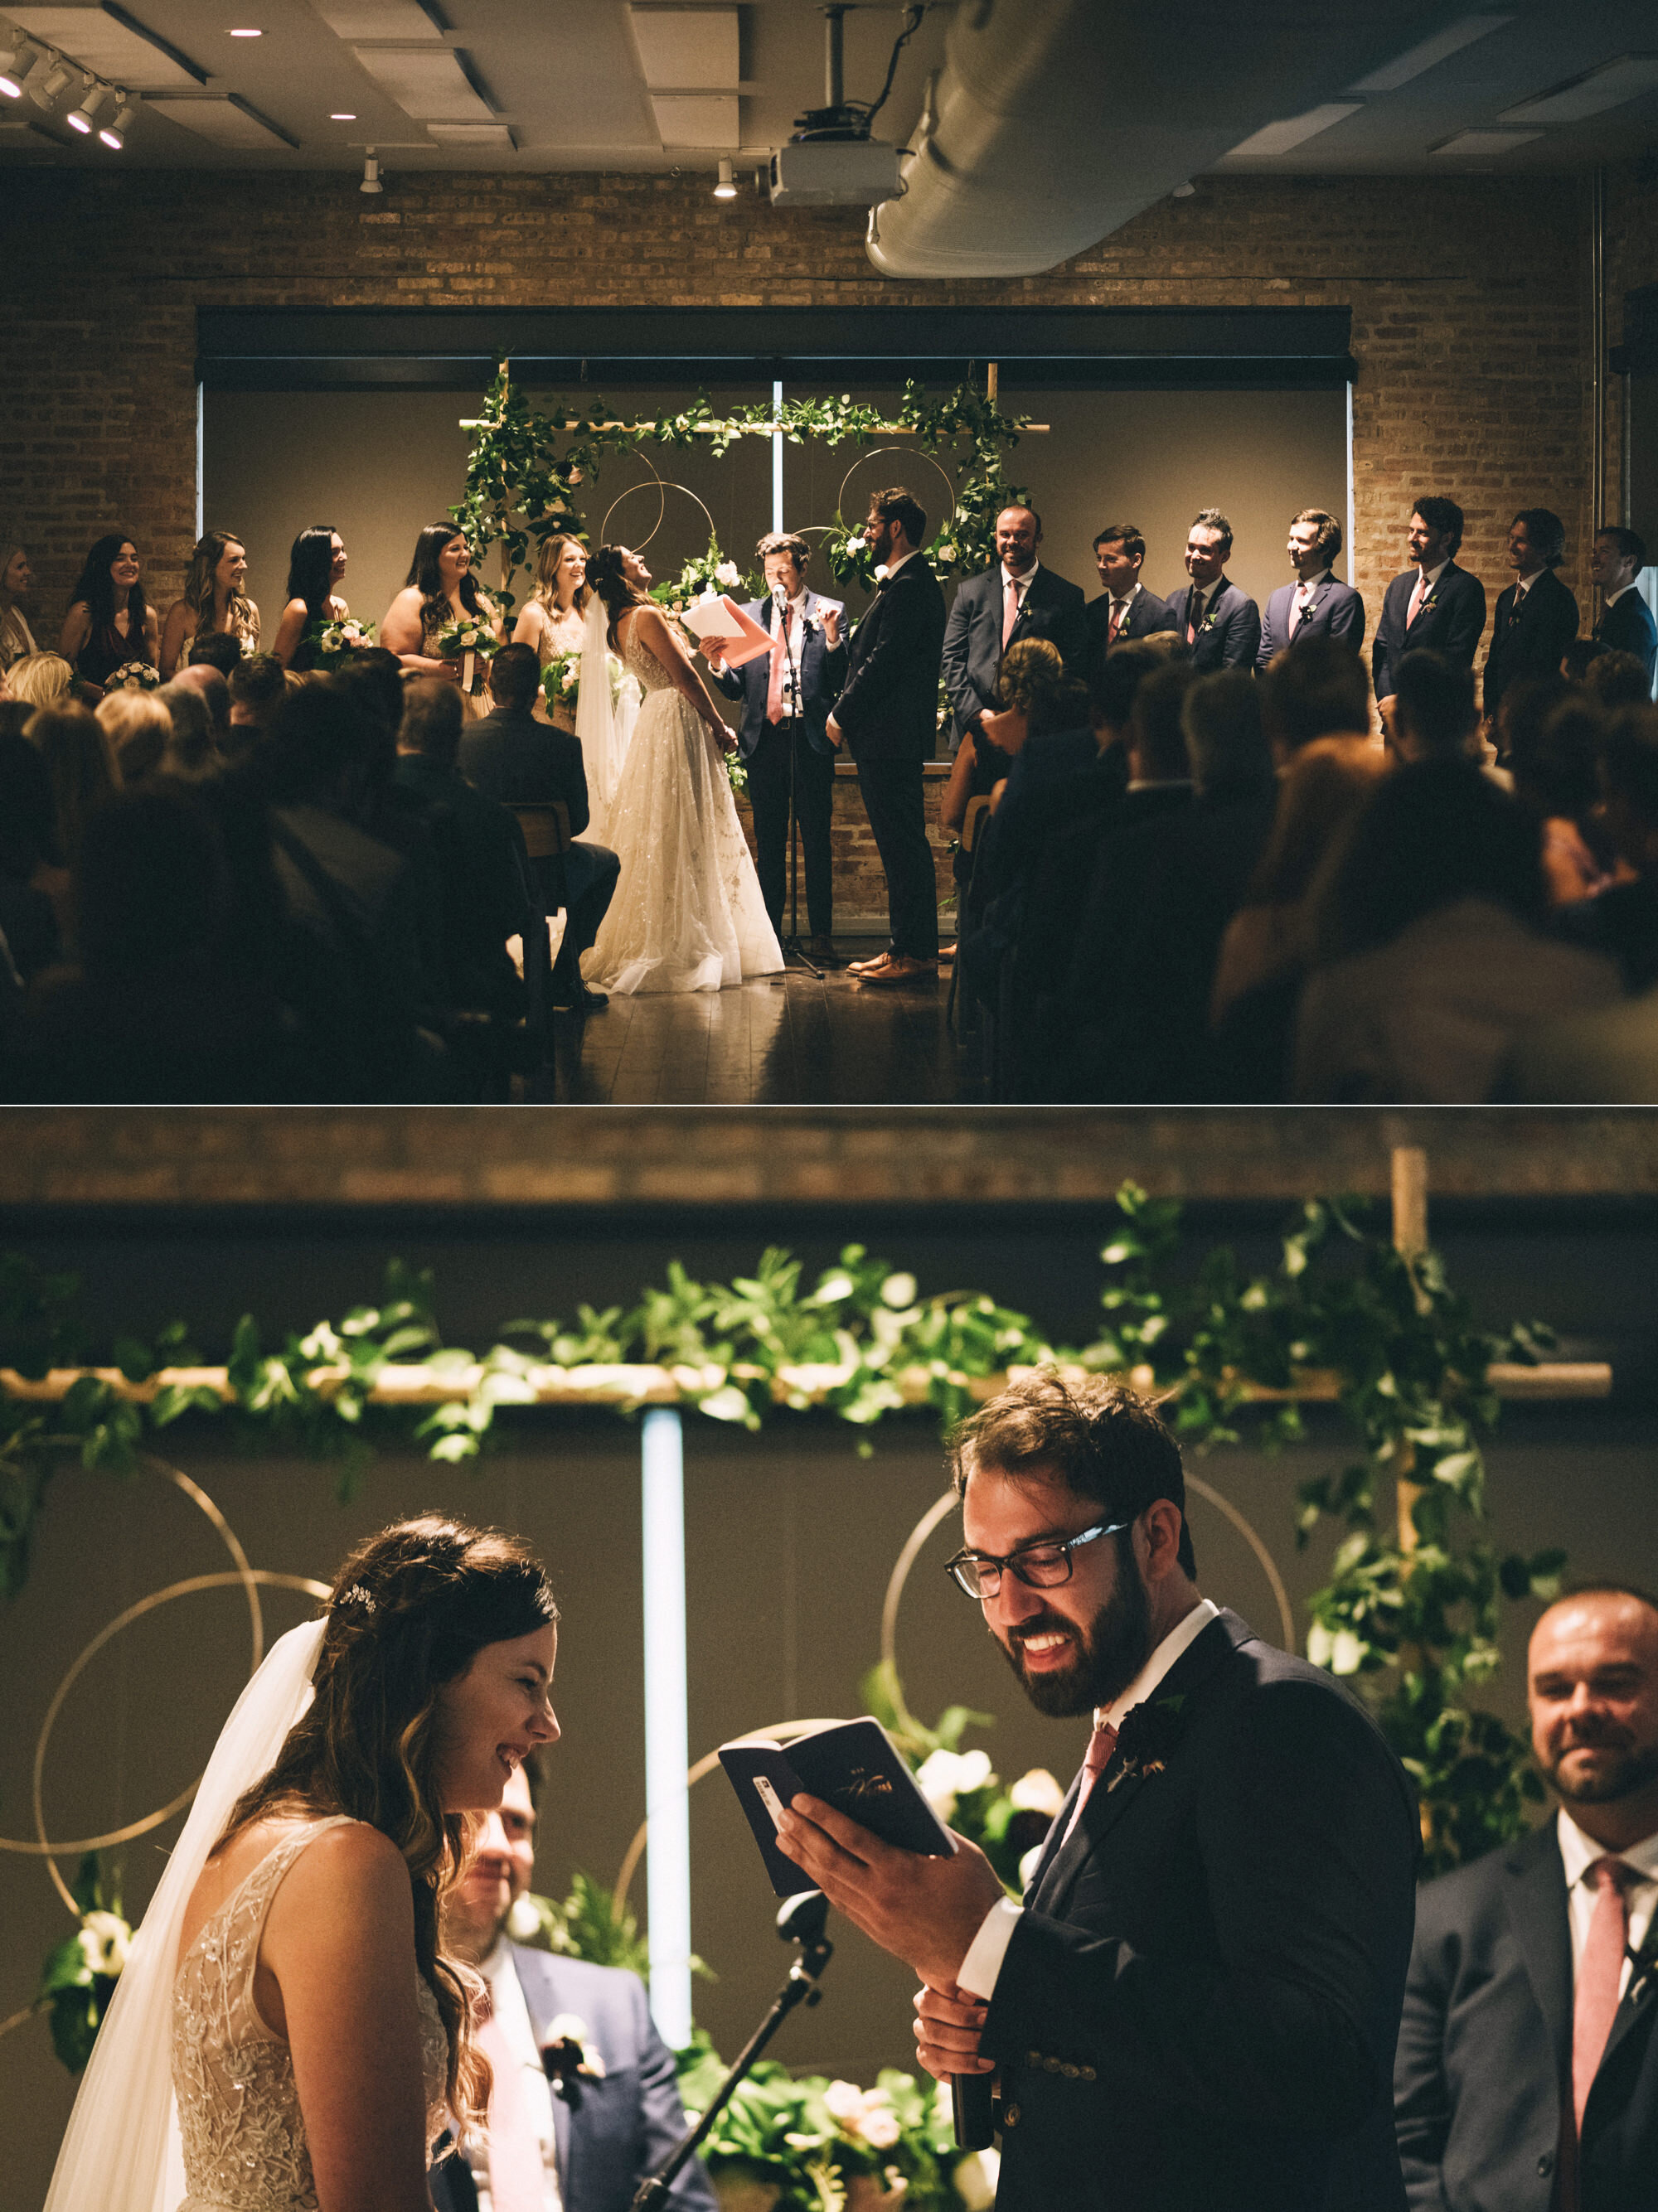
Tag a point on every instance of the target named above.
point(1413, 1609)
point(525, 466)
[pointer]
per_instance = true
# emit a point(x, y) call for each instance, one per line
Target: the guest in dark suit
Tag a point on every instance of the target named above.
point(1316, 604)
point(615, 2114)
point(782, 735)
point(1196, 2003)
point(1527, 2078)
point(1537, 617)
point(1017, 598)
point(1626, 625)
point(887, 716)
point(1219, 623)
point(1435, 605)
point(1124, 609)
point(510, 756)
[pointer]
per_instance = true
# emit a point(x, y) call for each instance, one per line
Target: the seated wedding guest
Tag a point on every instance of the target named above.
point(316, 569)
point(17, 638)
point(551, 620)
point(81, 767)
point(1621, 920)
point(1320, 696)
point(213, 603)
point(440, 588)
point(1616, 559)
point(1316, 604)
point(1526, 2072)
point(110, 621)
point(192, 750)
point(1434, 605)
point(216, 652)
point(1616, 679)
point(1431, 715)
point(1125, 610)
point(33, 882)
point(1429, 959)
point(518, 761)
point(480, 853)
point(1266, 946)
point(138, 727)
point(257, 689)
point(585, 2145)
point(1018, 599)
point(1536, 617)
point(201, 677)
point(1219, 624)
point(41, 679)
point(1138, 990)
point(1553, 737)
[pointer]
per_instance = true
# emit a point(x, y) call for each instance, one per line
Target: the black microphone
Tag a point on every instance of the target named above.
point(971, 2108)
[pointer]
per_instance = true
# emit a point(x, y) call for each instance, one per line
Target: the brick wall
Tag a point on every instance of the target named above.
point(860, 887)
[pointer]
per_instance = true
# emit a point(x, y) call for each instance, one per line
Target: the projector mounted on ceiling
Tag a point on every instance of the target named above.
point(831, 161)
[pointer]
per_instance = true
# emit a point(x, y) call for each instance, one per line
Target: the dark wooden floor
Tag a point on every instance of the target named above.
point(793, 1040)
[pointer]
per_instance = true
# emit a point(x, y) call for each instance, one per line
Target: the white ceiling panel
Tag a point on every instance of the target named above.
point(101, 44)
point(219, 121)
point(704, 120)
point(1279, 137)
point(426, 82)
point(496, 138)
point(376, 19)
point(1626, 78)
point(1474, 145)
point(687, 48)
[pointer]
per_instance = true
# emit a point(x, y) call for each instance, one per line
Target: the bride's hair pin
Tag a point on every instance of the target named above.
point(357, 1596)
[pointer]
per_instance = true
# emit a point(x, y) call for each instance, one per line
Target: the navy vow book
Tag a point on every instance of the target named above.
point(853, 1766)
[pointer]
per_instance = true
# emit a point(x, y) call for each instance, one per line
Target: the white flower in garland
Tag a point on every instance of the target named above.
point(947, 1775)
point(105, 1940)
point(866, 2115)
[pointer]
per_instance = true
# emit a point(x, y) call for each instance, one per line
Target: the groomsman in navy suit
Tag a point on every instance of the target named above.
point(1536, 617)
point(1124, 609)
point(1316, 604)
point(1017, 598)
point(1435, 603)
point(1222, 624)
point(1626, 624)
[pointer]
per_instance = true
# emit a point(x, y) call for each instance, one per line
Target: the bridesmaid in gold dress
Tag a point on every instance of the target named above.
point(552, 620)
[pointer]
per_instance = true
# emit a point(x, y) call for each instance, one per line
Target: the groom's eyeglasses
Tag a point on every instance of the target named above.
point(1038, 1566)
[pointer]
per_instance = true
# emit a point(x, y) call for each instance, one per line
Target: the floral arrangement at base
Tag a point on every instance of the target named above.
point(133, 675)
point(79, 1977)
point(332, 643)
point(473, 643)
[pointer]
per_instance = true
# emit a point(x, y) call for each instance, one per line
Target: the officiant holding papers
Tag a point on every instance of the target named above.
point(786, 697)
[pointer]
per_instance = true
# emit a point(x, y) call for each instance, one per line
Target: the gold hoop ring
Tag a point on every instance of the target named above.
point(664, 484)
point(693, 1775)
point(910, 453)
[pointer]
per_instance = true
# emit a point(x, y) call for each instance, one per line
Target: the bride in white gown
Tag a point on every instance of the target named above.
point(687, 913)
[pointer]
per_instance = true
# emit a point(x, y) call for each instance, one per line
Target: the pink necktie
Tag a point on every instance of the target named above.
point(1118, 616)
point(779, 658)
point(517, 2170)
point(1298, 612)
point(1595, 2000)
point(1096, 1759)
point(1011, 614)
point(1416, 598)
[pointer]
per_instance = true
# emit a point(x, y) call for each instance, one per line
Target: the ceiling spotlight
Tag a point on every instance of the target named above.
point(342, 118)
point(57, 79)
point(727, 187)
point(371, 175)
point(1183, 191)
point(247, 34)
point(86, 115)
point(17, 58)
point(114, 134)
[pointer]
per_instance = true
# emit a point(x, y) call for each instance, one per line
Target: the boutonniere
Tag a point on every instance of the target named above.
point(569, 2057)
point(1147, 1737)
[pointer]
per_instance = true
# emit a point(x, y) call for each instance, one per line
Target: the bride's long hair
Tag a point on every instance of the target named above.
point(411, 1608)
point(607, 576)
point(545, 593)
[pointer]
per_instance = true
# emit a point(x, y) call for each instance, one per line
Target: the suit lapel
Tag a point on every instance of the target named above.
point(1535, 1897)
point(537, 1977)
point(1639, 2001)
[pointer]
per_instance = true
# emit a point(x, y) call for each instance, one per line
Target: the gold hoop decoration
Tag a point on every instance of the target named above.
point(910, 453)
point(1286, 1611)
point(661, 504)
point(664, 484)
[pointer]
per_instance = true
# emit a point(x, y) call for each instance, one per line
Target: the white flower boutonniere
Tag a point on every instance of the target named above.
point(568, 2053)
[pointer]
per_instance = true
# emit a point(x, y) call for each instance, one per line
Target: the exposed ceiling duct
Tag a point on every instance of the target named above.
point(1053, 122)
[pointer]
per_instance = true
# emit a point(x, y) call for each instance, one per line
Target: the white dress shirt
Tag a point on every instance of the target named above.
point(507, 1997)
point(1021, 584)
point(989, 1947)
point(1306, 586)
point(1577, 1854)
point(1612, 598)
point(1119, 608)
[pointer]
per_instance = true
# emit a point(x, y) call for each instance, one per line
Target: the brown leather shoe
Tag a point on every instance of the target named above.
point(869, 966)
point(945, 954)
point(901, 969)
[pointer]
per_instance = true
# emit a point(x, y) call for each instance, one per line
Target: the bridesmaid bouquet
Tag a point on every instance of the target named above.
point(133, 675)
point(561, 680)
point(473, 643)
point(334, 642)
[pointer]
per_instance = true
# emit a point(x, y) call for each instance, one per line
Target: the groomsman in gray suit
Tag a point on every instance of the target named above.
point(1220, 623)
point(1316, 604)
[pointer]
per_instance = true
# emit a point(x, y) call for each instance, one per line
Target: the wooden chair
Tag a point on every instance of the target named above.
point(544, 827)
point(973, 826)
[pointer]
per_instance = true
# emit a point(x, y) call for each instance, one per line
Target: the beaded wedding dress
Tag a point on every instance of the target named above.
point(239, 2115)
point(687, 913)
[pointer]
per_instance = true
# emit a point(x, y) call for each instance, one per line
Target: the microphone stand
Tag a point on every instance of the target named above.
point(792, 948)
point(800, 1920)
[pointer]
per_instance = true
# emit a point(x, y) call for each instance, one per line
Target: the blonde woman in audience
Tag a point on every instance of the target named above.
point(213, 600)
point(316, 569)
point(42, 679)
point(109, 621)
point(138, 726)
point(17, 638)
point(551, 621)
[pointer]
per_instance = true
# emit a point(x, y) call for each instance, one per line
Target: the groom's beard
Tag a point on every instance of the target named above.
point(1107, 1654)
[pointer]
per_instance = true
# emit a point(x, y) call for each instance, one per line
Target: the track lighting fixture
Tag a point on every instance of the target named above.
point(114, 134)
point(56, 81)
point(18, 56)
point(371, 174)
point(727, 187)
point(84, 118)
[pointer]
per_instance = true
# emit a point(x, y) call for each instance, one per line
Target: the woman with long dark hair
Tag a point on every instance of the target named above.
point(687, 913)
point(212, 603)
point(109, 621)
point(316, 569)
point(440, 588)
point(291, 1964)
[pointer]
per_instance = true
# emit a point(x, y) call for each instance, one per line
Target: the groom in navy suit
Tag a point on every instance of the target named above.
point(614, 2115)
point(1316, 604)
point(786, 698)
